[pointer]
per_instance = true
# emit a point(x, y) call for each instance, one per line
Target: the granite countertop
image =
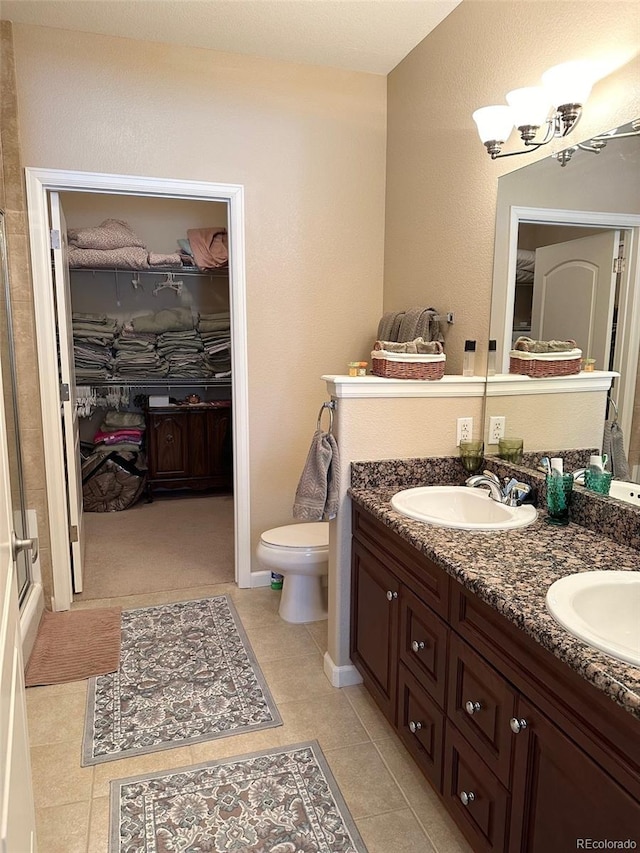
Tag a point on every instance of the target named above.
point(512, 571)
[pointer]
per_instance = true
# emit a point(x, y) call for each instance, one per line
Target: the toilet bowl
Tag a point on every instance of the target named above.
point(300, 553)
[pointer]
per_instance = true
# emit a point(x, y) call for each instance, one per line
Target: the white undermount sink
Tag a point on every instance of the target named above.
point(602, 609)
point(625, 491)
point(462, 507)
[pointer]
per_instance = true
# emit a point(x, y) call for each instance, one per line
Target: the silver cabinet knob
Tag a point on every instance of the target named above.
point(472, 707)
point(417, 645)
point(467, 797)
point(414, 727)
point(517, 725)
point(391, 595)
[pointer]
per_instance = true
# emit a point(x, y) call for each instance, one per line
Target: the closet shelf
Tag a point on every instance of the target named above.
point(183, 271)
point(158, 383)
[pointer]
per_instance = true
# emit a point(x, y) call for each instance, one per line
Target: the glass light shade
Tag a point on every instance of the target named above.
point(529, 106)
point(569, 83)
point(494, 123)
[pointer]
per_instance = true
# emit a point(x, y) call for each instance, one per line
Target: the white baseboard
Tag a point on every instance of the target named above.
point(341, 676)
point(30, 615)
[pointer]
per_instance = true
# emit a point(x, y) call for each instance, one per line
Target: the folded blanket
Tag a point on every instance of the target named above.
point(209, 247)
point(156, 259)
point(318, 493)
point(167, 320)
point(128, 257)
point(525, 344)
point(115, 420)
point(110, 234)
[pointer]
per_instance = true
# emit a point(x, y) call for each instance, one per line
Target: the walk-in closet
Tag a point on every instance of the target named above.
point(144, 314)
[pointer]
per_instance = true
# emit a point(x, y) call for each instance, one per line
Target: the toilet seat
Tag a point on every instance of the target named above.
point(308, 536)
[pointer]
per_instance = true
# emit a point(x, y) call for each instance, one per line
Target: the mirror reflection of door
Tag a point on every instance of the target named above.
point(572, 290)
point(10, 402)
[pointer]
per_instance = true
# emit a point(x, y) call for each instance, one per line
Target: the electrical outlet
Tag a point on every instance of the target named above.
point(464, 430)
point(496, 429)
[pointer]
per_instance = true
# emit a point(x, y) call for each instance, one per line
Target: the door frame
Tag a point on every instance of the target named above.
point(39, 182)
point(504, 276)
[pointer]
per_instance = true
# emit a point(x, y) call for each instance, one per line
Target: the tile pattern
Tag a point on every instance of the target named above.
point(274, 799)
point(187, 673)
point(512, 571)
point(393, 805)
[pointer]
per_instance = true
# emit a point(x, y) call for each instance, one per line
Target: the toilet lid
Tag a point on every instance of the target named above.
point(310, 535)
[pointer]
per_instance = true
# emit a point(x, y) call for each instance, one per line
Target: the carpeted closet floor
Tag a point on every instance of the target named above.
point(173, 543)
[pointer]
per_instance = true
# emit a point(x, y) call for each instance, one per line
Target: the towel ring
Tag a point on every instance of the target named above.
point(612, 403)
point(330, 405)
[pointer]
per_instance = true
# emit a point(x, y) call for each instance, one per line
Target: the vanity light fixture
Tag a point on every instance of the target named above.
point(532, 108)
point(597, 143)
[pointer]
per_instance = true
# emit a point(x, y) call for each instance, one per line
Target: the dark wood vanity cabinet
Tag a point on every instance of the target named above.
point(527, 756)
point(189, 448)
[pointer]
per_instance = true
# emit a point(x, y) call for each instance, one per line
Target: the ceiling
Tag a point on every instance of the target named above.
point(356, 35)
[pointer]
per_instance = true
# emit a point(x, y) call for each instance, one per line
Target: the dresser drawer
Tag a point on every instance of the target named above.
point(481, 703)
point(423, 645)
point(476, 799)
point(421, 726)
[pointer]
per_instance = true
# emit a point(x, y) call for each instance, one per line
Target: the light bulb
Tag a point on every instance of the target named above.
point(530, 106)
point(569, 83)
point(494, 123)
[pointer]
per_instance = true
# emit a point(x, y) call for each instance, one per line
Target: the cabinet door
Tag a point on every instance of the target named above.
point(475, 797)
point(560, 795)
point(218, 444)
point(198, 451)
point(168, 446)
point(374, 627)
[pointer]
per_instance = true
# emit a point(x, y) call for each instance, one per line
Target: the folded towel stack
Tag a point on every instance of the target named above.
point(215, 331)
point(93, 337)
point(402, 326)
point(419, 345)
point(525, 344)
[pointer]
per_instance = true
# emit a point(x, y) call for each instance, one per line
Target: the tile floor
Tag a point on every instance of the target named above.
point(394, 808)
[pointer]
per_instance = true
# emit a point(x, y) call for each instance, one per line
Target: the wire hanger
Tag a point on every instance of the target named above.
point(170, 283)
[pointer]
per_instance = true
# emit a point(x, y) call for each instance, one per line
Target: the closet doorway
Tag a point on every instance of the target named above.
point(157, 208)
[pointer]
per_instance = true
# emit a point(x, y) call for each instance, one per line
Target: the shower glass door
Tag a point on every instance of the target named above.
point(10, 402)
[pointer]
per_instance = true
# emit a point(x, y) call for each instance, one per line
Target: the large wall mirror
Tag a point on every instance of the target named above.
point(586, 212)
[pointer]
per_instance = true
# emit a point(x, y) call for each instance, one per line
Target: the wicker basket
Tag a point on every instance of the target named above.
point(403, 365)
point(541, 364)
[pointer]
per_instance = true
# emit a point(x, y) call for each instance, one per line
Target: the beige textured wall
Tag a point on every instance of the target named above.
point(307, 143)
point(12, 201)
point(441, 184)
point(550, 421)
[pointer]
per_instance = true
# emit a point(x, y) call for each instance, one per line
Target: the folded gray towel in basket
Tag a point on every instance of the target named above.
point(317, 495)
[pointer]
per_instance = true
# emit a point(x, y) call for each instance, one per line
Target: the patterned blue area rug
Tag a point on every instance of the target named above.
point(275, 801)
point(187, 674)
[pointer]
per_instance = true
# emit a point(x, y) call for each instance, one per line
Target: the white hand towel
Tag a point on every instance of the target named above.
point(317, 495)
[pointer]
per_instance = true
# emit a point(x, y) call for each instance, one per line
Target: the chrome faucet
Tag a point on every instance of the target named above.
point(511, 492)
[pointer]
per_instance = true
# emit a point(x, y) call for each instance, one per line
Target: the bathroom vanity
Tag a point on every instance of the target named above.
point(531, 738)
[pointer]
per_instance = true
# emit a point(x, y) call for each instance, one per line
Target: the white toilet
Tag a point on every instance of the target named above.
point(300, 553)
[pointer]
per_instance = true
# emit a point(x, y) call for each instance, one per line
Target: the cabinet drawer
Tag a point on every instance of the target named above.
point(428, 580)
point(481, 703)
point(476, 799)
point(423, 645)
point(421, 726)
